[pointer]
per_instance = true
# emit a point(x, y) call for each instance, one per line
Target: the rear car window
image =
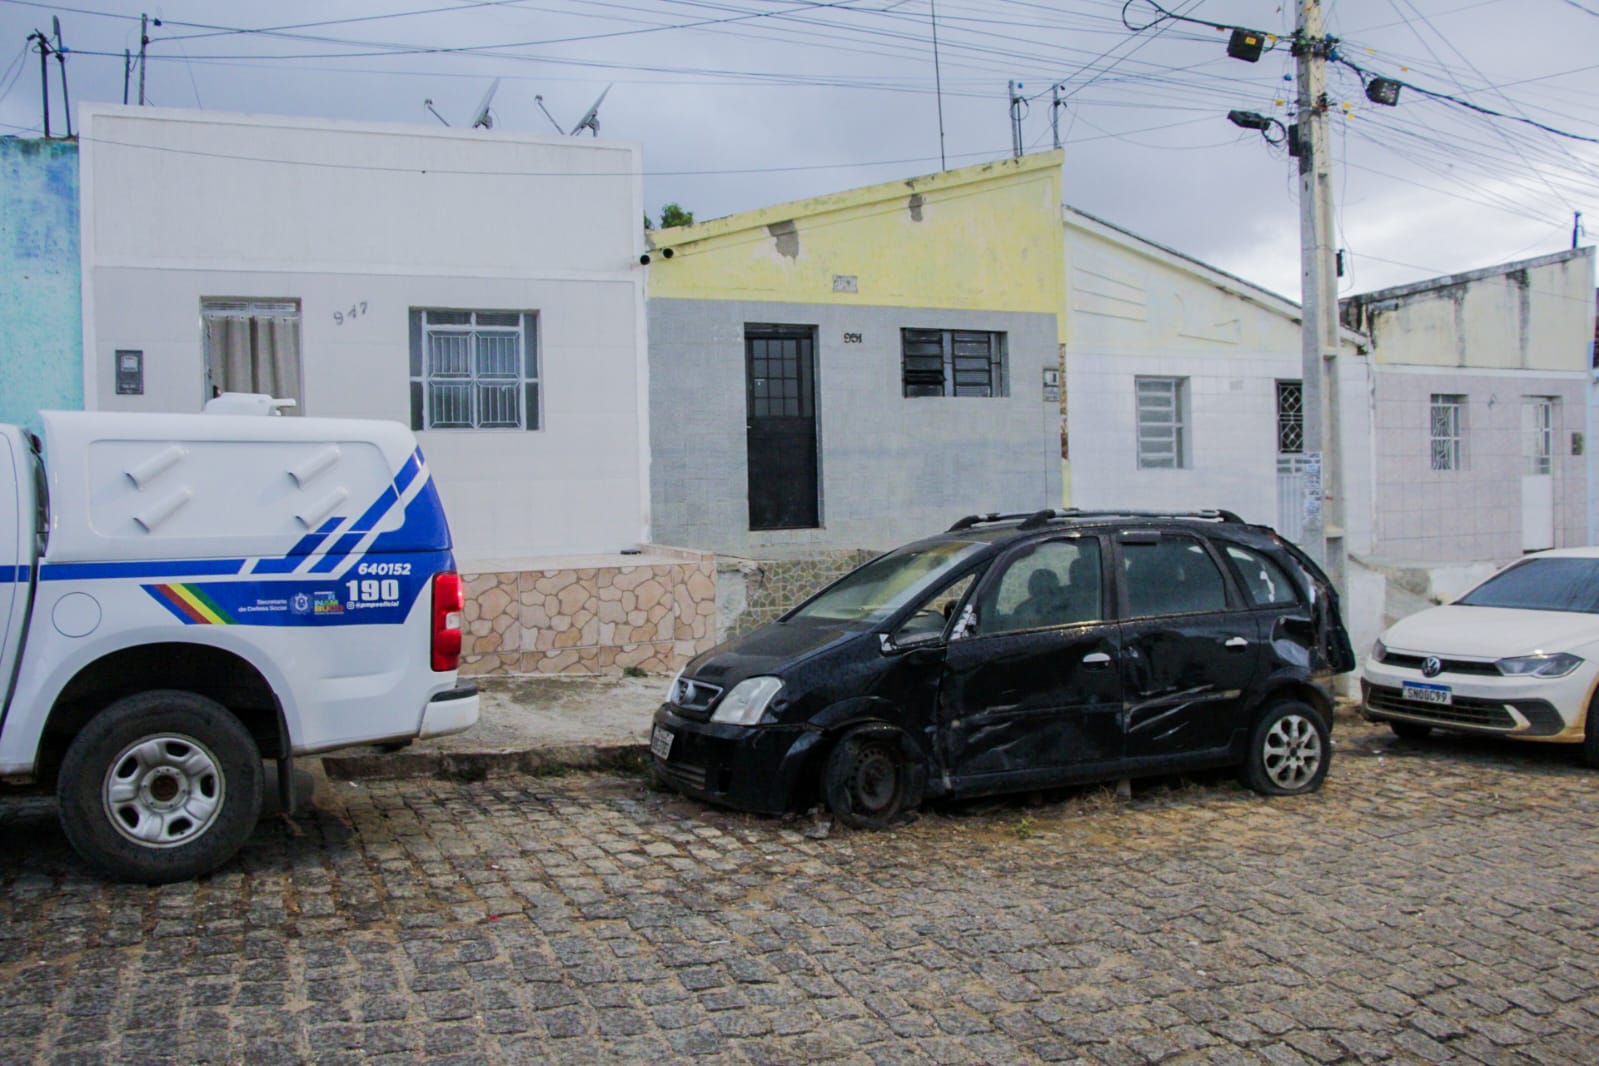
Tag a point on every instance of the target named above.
point(1171, 575)
point(1265, 583)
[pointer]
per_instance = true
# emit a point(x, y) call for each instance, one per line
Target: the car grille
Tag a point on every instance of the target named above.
point(682, 775)
point(1451, 666)
point(1465, 711)
point(692, 698)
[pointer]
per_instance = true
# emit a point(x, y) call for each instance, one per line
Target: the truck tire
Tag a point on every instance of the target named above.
point(160, 786)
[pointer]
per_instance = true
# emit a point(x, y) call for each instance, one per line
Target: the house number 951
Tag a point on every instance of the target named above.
point(852, 338)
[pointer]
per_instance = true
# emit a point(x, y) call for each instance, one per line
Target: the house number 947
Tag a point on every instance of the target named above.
point(355, 311)
point(852, 338)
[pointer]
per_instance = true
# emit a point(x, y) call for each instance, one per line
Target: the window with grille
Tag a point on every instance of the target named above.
point(1290, 418)
point(1162, 422)
point(952, 362)
point(474, 370)
point(1538, 433)
point(1448, 425)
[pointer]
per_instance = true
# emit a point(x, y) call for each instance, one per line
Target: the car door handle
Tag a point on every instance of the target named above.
point(1236, 644)
point(1095, 660)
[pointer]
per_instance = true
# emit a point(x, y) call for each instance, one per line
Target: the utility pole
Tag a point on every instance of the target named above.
point(1054, 113)
point(44, 76)
point(1324, 483)
point(1016, 105)
point(144, 42)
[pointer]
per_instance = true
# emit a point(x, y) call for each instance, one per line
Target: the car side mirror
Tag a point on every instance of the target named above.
point(893, 643)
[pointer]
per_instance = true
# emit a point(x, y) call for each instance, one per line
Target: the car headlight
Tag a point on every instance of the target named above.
point(1379, 651)
point(671, 688)
point(1558, 665)
point(748, 701)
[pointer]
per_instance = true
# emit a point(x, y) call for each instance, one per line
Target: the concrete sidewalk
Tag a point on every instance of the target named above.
point(527, 725)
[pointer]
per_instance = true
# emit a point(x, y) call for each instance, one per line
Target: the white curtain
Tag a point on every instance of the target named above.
point(254, 353)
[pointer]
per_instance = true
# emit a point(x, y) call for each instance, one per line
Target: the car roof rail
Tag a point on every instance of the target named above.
point(1040, 519)
point(982, 519)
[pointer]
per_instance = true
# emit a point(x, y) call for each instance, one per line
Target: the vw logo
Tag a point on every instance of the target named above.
point(1431, 666)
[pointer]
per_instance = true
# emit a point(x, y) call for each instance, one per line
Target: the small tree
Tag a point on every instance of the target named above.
point(673, 215)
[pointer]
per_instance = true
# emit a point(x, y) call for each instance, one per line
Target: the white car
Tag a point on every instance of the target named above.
point(1517, 656)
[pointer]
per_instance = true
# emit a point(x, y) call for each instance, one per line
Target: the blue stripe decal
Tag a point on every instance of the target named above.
point(297, 554)
point(380, 507)
point(341, 548)
point(14, 574)
point(408, 472)
point(163, 568)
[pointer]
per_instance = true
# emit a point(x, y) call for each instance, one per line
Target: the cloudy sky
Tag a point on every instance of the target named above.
point(742, 103)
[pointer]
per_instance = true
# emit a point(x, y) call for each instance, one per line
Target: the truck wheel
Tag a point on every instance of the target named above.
point(161, 786)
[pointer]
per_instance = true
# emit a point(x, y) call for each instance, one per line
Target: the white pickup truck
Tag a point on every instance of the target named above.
point(183, 596)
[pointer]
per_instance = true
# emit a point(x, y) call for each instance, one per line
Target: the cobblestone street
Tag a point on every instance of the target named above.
point(1434, 903)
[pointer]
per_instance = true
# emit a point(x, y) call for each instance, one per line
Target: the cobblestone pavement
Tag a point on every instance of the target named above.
point(1434, 903)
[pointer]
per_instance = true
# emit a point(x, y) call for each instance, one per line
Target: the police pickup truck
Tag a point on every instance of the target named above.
point(184, 596)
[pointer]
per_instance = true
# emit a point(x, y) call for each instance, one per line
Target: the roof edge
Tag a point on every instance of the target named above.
point(860, 196)
point(1449, 280)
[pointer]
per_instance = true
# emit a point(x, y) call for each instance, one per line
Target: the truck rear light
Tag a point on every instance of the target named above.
point(447, 607)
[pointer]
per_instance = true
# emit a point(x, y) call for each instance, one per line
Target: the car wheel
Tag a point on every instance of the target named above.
point(1289, 750)
point(866, 780)
point(1410, 730)
point(160, 786)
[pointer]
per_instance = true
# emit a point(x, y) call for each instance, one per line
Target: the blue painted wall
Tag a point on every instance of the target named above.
point(41, 316)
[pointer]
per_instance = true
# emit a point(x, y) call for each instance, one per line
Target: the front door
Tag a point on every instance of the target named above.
point(780, 374)
point(1030, 691)
point(1537, 473)
point(1190, 649)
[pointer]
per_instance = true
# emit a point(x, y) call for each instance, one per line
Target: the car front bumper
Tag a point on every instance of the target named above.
point(1532, 708)
point(750, 768)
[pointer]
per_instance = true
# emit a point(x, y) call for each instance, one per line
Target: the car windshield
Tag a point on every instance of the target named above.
point(883, 586)
point(1554, 584)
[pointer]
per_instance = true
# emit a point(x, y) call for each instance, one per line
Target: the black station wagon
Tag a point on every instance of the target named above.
point(1020, 652)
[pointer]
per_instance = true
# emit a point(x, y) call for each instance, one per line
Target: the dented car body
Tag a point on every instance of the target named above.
point(1019, 652)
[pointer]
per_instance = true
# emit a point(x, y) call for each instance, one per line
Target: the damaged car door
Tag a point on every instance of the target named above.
point(1030, 693)
point(1190, 651)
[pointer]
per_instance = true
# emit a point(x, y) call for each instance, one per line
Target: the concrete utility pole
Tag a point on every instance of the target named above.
point(1324, 484)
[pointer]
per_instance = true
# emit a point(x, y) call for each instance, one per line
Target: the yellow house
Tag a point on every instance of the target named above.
point(858, 369)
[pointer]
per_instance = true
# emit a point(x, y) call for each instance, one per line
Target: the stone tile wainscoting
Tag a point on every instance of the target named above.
point(590, 615)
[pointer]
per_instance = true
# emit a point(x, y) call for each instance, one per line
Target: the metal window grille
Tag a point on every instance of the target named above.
point(1162, 422)
point(1290, 418)
point(474, 370)
point(1448, 422)
point(948, 362)
point(1538, 433)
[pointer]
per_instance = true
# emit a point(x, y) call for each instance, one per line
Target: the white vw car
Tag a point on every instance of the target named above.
point(1517, 656)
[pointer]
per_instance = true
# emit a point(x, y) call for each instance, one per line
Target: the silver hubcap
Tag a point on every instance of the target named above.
point(1291, 752)
point(163, 791)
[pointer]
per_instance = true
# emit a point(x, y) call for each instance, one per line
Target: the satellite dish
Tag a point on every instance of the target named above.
point(591, 117)
point(480, 117)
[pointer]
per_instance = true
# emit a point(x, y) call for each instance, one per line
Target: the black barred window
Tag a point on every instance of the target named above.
point(952, 362)
point(1290, 418)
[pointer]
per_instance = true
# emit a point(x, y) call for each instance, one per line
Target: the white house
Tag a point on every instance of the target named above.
point(1183, 384)
point(482, 286)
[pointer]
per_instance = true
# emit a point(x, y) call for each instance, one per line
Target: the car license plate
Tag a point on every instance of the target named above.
point(1415, 690)
point(661, 742)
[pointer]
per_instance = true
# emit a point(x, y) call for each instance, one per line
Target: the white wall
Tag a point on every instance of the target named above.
point(180, 206)
point(1136, 309)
